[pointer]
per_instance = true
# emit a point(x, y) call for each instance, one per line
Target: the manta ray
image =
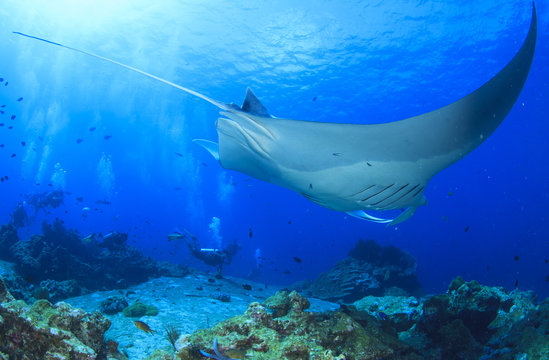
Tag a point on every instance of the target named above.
point(357, 167)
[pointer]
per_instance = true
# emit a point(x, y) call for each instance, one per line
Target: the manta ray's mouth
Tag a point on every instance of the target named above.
point(242, 131)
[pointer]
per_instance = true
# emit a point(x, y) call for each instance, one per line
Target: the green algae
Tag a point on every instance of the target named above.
point(139, 309)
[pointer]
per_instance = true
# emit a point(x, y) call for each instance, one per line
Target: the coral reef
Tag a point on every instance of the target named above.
point(19, 287)
point(370, 269)
point(46, 331)
point(283, 329)
point(8, 237)
point(64, 264)
point(470, 321)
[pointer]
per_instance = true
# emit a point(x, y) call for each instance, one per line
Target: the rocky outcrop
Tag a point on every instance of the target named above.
point(370, 269)
point(472, 321)
point(46, 331)
point(8, 237)
point(281, 328)
point(60, 263)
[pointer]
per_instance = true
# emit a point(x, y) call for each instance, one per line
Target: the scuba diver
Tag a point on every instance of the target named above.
point(209, 256)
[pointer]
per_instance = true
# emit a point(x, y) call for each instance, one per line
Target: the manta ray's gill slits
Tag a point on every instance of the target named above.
point(379, 192)
point(402, 196)
point(390, 195)
point(313, 199)
point(363, 190)
point(418, 191)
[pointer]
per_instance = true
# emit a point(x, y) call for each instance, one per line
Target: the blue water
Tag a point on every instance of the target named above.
point(357, 62)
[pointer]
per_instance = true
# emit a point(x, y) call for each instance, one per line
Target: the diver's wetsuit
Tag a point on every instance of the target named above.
point(212, 257)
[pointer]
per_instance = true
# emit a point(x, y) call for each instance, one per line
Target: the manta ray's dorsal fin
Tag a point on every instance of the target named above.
point(219, 104)
point(253, 106)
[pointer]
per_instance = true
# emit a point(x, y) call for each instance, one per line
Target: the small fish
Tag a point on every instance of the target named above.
point(23, 143)
point(547, 261)
point(287, 272)
point(3, 105)
point(2, 179)
point(381, 315)
point(314, 99)
point(6, 177)
point(235, 353)
point(179, 154)
point(289, 222)
point(250, 233)
point(2, 112)
point(142, 326)
point(516, 283)
point(176, 236)
point(1, 79)
point(517, 258)
point(1, 124)
point(297, 260)
point(80, 199)
point(336, 154)
point(92, 129)
point(107, 137)
point(79, 140)
point(547, 278)
point(6, 84)
point(466, 228)
point(450, 193)
point(367, 163)
point(10, 127)
point(247, 286)
point(13, 155)
point(13, 117)
point(20, 99)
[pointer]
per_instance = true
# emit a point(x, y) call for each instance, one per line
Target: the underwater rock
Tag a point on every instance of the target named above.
point(475, 305)
point(113, 305)
point(59, 290)
point(46, 331)
point(283, 329)
point(400, 311)
point(62, 255)
point(457, 343)
point(370, 269)
point(472, 319)
point(8, 237)
point(527, 338)
point(19, 287)
point(222, 297)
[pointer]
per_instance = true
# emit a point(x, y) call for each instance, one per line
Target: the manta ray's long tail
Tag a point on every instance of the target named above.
point(219, 104)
